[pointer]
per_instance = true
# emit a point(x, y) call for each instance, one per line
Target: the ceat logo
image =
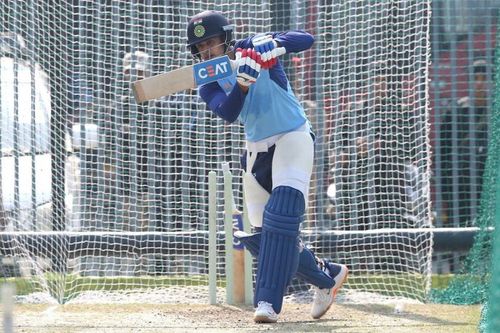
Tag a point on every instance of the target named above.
point(211, 70)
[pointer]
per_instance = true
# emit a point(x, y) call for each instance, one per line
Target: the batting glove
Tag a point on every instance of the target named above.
point(249, 65)
point(266, 46)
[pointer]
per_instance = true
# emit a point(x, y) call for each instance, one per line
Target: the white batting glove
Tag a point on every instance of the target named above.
point(249, 65)
point(266, 46)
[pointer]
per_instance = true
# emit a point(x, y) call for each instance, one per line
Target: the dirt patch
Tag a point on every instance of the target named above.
point(204, 318)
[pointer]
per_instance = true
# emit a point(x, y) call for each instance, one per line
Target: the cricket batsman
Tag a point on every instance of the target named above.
point(278, 159)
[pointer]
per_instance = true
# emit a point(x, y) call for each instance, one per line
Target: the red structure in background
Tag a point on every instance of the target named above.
point(451, 76)
point(450, 73)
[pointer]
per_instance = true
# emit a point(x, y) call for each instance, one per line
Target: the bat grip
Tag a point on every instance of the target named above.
point(280, 51)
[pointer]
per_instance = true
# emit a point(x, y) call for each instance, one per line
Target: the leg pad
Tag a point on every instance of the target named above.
point(279, 250)
point(307, 270)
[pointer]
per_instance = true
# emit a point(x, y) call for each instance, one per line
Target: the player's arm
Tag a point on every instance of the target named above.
point(268, 44)
point(228, 107)
point(294, 40)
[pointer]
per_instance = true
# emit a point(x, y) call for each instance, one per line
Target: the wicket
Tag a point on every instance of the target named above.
point(239, 285)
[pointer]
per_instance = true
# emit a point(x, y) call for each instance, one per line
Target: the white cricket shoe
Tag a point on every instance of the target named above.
point(265, 313)
point(323, 298)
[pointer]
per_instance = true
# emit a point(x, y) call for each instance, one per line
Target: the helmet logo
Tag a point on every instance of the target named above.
point(199, 31)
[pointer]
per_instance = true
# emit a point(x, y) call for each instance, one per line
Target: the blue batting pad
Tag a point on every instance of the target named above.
point(279, 250)
point(251, 242)
point(308, 269)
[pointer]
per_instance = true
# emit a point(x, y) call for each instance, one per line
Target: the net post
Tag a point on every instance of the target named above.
point(8, 292)
point(248, 257)
point(212, 237)
point(228, 228)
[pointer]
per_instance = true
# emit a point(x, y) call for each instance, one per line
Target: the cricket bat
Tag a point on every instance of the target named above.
point(238, 251)
point(187, 77)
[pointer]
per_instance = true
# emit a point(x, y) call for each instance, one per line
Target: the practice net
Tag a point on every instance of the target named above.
point(478, 281)
point(104, 196)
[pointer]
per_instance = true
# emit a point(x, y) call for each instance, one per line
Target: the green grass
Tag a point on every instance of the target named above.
point(402, 285)
point(441, 281)
point(73, 285)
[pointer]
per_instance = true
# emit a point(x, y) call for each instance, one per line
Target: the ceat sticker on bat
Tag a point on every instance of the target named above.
point(212, 70)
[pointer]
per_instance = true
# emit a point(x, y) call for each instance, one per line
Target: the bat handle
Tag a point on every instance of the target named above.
point(280, 51)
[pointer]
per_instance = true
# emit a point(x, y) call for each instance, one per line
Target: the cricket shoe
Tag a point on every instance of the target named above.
point(265, 313)
point(323, 298)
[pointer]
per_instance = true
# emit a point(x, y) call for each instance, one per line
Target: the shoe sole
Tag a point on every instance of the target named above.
point(344, 271)
point(264, 320)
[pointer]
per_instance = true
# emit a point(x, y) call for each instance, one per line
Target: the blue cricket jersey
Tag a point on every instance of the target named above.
point(269, 107)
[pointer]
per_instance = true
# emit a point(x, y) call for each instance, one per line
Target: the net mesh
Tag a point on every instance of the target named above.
point(118, 199)
point(472, 284)
point(488, 318)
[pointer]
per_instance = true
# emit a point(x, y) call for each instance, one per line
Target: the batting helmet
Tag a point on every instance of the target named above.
point(206, 25)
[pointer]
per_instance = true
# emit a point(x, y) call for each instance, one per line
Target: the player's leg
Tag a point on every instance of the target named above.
point(279, 251)
point(325, 276)
point(296, 174)
point(279, 248)
point(293, 166)
point(311, 269)
point(256, 198)
point(324, 297)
